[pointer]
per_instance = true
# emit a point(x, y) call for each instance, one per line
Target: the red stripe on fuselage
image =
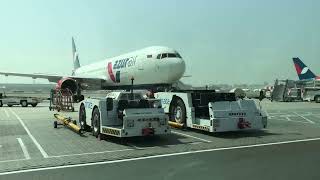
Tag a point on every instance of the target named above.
point(111, 75)
point(298, 69)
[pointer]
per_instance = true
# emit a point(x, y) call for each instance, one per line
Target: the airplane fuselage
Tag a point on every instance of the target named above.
point(152, 65)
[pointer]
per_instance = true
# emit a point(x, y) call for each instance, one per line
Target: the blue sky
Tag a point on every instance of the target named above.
point(239, 41)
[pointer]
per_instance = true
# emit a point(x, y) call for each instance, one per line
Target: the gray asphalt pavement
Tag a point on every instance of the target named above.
point(294, 161)
point(28, 142)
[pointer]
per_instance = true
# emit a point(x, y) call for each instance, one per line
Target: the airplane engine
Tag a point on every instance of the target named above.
point(72, 85)
point(68, 83)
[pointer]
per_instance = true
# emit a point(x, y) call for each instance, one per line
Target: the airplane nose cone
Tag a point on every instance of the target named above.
point(177, 69)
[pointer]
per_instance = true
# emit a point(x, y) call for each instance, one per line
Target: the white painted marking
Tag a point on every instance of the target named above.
point(136, 147)
point(14, 160)
point(277, 114)
point(44, 154)
point(6, 112)
point(24, 149)
point(288, 119)
point(187, 135)
point(304, 118)
point(159, 156)
point(195, 143)
point(91, 153)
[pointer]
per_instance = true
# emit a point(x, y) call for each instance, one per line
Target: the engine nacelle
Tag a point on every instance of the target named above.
point(68, 83)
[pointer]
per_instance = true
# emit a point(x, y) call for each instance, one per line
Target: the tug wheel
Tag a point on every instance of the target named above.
point(96, 122)
point(82, 118)
point(177, 111)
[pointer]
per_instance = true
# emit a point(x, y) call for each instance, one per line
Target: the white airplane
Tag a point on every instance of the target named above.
point(149, 67)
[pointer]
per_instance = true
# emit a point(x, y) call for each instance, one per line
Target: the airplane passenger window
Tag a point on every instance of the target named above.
point(164, 55)
point(149, 56)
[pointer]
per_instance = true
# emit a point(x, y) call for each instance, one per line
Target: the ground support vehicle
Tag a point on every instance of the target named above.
point(61, 100)
point(210, 111)
point(301, 90)
point(123, 114)
point(16, 100)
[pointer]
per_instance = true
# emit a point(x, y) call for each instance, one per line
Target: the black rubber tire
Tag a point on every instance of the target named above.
point(24, 103)
point(34, 104)
point(82, 118)
point(317, 99)
point(96, 122)
point(1, 104)
point(81, 98)
point(55, 124)
point(177, 105)
point(10, 105)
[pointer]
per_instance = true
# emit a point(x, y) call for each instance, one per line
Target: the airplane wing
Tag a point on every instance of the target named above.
point(50, 77)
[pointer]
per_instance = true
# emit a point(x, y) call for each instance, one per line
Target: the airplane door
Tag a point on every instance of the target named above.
point(162, 69)
point(140, 65)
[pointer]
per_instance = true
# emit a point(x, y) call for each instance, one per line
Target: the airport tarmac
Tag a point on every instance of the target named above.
point(30, 144)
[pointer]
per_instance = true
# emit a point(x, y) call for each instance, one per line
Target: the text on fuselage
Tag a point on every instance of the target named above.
point(123, 63)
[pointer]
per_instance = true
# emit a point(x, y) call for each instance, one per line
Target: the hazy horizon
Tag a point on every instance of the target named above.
point(231, 42)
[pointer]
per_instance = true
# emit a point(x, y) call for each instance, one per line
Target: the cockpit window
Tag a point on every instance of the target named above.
point(149, 56)
point(171, 55)
point(168, 55)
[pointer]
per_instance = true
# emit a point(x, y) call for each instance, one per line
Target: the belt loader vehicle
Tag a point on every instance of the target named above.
point(210, 111)
point(123, 114)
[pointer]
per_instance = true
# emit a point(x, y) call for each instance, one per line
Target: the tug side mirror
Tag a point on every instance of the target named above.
point(109, 104)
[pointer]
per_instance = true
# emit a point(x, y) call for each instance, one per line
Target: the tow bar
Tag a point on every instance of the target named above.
point(67, 122)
